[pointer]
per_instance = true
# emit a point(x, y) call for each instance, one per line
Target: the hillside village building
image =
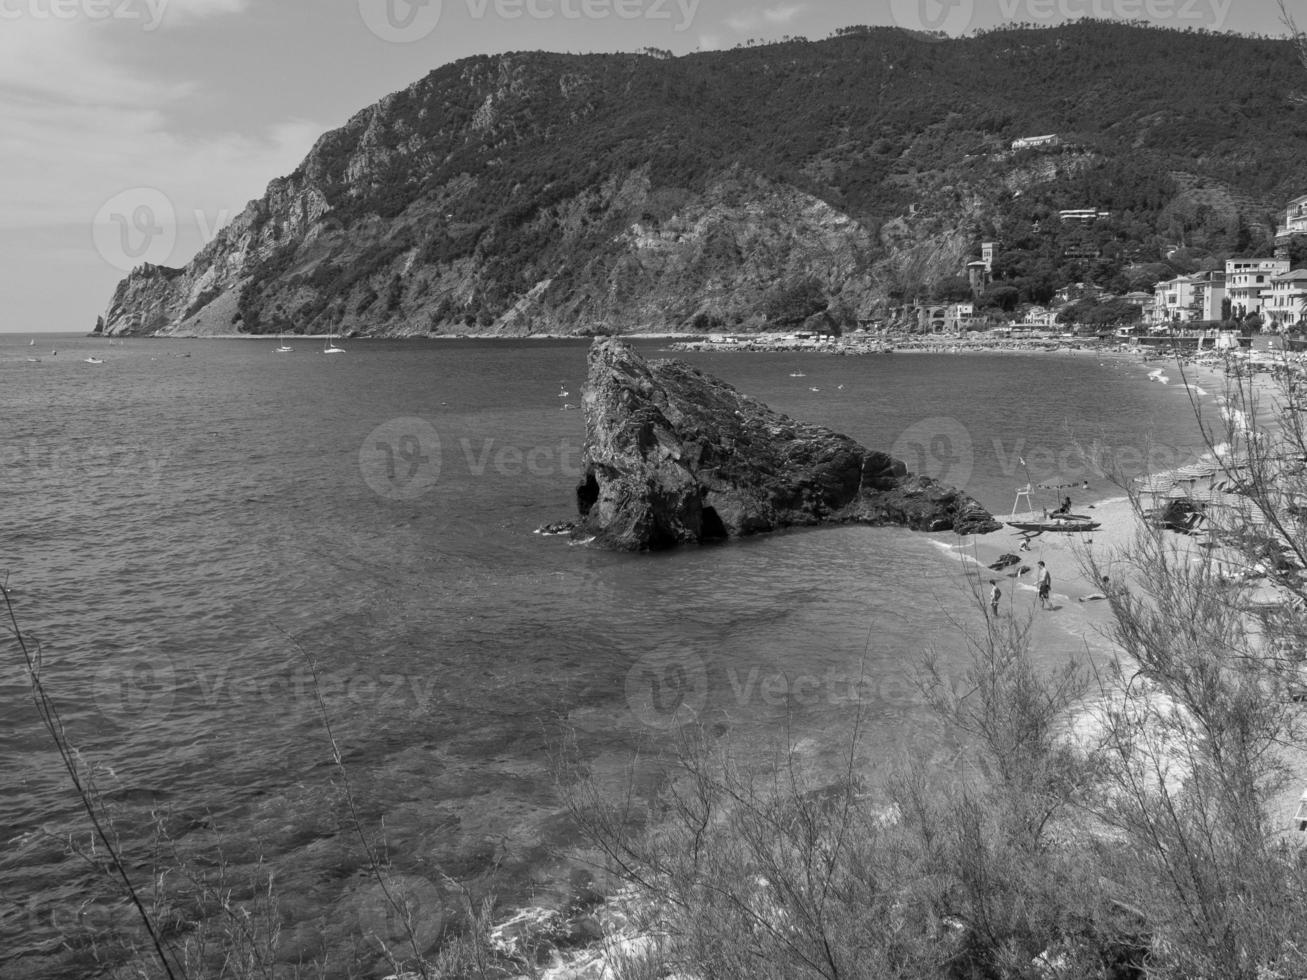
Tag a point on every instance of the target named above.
point(981, 273)
point(1027, 142)
point(1083, 215)
point(1295, 218)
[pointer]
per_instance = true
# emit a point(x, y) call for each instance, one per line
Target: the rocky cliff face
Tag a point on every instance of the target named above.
point(728, 256)
point(673, 456)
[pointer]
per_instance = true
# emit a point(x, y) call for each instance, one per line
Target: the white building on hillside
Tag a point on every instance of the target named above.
point(1295, 218)
point(1027, 142)
point(1248, 282)
point(1286, 304)
point(1084, 215)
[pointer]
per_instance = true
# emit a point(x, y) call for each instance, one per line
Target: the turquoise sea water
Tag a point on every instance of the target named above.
point(192, 528)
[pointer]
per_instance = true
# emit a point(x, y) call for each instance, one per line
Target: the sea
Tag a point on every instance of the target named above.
point(283, 603)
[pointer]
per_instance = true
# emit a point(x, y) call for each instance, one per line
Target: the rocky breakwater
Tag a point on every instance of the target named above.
point(673, 456)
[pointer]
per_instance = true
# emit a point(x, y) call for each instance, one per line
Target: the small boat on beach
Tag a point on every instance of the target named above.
point(1061, 527)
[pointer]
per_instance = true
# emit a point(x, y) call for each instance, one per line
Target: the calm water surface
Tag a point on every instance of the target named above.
point(192, 528)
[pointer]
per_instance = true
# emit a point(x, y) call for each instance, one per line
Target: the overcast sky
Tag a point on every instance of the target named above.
point(192, 106)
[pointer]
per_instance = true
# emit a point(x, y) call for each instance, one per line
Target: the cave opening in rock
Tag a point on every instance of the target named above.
point(711, 527)
point(587, 493)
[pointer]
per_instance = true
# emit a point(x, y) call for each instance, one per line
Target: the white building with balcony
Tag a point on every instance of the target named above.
point(1248, 282)
point(1295, 218)
point(1286, 302)
point(1186, 299)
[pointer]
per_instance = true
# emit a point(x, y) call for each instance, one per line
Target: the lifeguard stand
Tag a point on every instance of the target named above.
point(1022, 492)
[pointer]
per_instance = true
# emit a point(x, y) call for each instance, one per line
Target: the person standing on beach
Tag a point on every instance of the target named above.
point(1045, 582)
point(995, 593)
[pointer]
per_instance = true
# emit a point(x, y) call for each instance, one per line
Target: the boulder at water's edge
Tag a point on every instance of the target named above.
point(673, 456)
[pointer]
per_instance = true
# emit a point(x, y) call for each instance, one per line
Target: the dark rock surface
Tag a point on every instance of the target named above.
point(673, 456)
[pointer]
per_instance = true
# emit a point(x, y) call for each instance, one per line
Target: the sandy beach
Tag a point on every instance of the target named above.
point(1069, 557)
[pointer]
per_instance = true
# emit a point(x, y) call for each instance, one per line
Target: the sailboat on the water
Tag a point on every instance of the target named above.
point(331, 348)
point(281, 347)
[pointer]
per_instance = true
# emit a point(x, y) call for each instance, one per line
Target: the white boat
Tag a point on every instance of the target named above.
point(31, 342)
point(331, 348)
point(92, 360)
point(281, 347)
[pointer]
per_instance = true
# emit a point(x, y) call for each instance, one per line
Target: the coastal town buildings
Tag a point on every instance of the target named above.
point(1187, 299)
point(1285, 303)
point(1172, 301)
point(950, 318)
point(1248, 283)
point(1083, 215)
point(1039, 317)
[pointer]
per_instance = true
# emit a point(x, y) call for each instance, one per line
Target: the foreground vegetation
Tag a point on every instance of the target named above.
point(1124, 825)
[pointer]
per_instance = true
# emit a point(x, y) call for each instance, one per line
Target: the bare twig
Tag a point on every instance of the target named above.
point(85, 788)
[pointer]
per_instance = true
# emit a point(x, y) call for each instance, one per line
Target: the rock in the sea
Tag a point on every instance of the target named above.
point(673, 456)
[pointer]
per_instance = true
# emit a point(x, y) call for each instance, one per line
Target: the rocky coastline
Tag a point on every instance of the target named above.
point(858, 345)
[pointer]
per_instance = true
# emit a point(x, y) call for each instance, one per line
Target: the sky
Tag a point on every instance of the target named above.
point(132, 130)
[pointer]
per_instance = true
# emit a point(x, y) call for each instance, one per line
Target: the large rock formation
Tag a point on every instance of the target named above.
point(673, 456)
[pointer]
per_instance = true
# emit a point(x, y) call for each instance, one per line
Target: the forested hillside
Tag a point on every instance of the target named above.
point(541, 192)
